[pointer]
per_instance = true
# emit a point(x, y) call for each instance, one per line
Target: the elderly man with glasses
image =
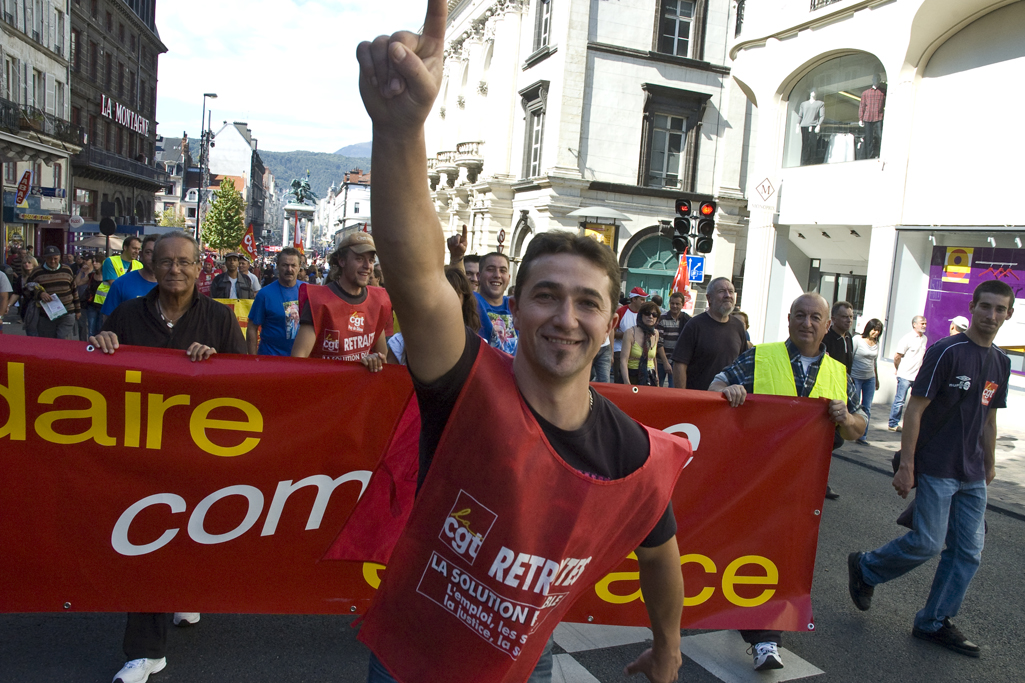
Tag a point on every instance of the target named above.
point(174, 315)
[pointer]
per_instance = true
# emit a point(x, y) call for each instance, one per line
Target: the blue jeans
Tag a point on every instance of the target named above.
point(601, 366)
point(92, 314)
point(903, 386)
point(664, 372)
point(542, 671)
point(865, 392)
point(947, 511)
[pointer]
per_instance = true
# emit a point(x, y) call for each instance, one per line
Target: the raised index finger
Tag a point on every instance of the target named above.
point(434, 22)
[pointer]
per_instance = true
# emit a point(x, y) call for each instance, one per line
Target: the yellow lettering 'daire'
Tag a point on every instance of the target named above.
point(200, 422)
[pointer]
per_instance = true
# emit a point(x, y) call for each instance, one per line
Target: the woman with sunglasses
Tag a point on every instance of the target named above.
point(640, 345)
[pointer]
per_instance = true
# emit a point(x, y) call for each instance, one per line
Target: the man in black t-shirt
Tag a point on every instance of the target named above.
point(566, 288)
point(710, 341)
point(949, 446)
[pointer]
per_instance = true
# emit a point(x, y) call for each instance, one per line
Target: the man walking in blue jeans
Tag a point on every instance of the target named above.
point(948, 443)
point(907, 360)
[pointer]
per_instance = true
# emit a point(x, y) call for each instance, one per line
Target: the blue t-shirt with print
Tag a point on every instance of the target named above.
point(496, 325)
point(276, 310)
point(125, 288)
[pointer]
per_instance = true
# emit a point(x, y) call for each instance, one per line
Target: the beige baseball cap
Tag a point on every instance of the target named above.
point(359, 242)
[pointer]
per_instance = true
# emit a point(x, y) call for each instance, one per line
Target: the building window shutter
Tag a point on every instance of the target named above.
point(49, 104)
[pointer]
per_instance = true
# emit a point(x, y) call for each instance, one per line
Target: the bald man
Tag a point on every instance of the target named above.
point(812, 374)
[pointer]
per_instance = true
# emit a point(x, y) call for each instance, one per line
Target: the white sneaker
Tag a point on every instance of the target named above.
point(767, 657)
point(138, 670)
point(186, 618)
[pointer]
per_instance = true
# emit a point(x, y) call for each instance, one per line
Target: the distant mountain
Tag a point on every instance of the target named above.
point(360, 149)
point(324, 168)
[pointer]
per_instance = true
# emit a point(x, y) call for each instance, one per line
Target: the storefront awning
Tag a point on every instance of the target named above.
point(16, 148)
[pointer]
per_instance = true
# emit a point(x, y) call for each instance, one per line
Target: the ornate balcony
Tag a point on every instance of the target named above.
point(468, 155)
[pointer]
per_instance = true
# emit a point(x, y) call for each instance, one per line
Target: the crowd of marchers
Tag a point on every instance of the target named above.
point(163, 292)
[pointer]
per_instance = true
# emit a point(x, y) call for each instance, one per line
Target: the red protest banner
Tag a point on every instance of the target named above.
point(249, 244)
point(149, 483)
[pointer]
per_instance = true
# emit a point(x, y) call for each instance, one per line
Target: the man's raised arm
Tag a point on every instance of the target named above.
point(400, 76)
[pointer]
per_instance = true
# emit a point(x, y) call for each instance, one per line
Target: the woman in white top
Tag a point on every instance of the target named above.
point(865, 369)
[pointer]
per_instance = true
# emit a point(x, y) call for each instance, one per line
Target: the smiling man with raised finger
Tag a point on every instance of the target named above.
point(509, 529)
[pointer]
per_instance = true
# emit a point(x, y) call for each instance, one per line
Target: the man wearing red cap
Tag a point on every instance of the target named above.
point(627, 319)
point(346, 319)
point(206, 276)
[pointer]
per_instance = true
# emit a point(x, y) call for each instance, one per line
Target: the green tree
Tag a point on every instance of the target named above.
point(172, 219)
point(224, 224)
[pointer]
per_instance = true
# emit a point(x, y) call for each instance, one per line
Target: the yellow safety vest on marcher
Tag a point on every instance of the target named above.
point(775, 375)
point(119, 268)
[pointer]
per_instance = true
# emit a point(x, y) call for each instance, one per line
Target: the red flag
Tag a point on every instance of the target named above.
point(681, 283)
point(297, 236)
point(249, 244)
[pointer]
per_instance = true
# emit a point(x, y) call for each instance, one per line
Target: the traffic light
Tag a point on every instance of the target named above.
point(681, 226)
point(706, 227)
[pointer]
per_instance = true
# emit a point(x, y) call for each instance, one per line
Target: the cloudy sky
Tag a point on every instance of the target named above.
point(287, 67)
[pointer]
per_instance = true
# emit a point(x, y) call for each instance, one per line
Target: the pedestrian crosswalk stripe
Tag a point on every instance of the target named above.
point(565, 669)
point(724, 655)
point(582, 637)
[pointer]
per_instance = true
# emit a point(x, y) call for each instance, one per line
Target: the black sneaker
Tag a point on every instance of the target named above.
point(861, 592)
point(950, 637)
point(830, 493)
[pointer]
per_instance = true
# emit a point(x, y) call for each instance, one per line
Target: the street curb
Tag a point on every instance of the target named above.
point(995, 507)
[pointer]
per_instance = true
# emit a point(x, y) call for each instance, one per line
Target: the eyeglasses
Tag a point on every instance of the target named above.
point(166, 263)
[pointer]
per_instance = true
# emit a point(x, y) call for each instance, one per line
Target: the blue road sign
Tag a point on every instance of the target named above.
point(696, 268)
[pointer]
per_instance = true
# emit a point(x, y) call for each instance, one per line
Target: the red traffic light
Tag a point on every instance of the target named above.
point(682, 207)
point(707, 208)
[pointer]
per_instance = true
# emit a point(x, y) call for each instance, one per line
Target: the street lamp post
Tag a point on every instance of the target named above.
point(203, 143)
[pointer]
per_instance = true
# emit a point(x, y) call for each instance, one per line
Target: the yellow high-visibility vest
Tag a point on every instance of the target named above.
point(119, 268)
point(774, 374)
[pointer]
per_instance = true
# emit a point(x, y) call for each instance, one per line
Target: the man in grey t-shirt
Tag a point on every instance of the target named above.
point(907, 360)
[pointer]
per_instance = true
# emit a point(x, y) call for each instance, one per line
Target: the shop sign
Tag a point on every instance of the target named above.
point(601, 233)
point(123, 115)
point(58, 192)
point(33, 217)
point(23, 187)
point(14, 233)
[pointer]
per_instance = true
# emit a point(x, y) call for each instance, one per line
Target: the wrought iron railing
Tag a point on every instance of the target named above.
point(16, 117)
point(740, 17)
point(103, 160)
point(819, 4)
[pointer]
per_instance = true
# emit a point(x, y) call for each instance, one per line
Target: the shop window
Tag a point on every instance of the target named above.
point(85, 204)
point(668, 150)
point(676, 20)
point(835, 112)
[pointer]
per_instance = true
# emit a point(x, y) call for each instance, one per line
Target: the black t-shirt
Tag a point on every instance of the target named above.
point(953, 449)
point(706, 346)
point(209, 322)
point(609, 445)
point(306, 315)
point(840, 348)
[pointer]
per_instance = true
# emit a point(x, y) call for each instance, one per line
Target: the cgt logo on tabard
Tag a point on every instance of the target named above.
point(466, 527)
point(332, 341)
point(356, 321)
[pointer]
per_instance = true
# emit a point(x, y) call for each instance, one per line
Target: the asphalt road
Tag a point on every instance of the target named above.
point(847, 645)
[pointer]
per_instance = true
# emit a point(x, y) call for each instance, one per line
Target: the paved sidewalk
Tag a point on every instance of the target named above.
point(1006, 493)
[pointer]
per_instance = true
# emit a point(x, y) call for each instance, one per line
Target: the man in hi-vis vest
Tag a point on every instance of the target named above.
point(116, 266)
point(798, 366)
point(531, 486)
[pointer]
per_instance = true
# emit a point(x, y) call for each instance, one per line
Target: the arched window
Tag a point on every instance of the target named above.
point(835, 112)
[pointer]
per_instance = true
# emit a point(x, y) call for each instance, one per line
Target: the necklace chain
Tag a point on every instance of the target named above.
point(160, 310)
